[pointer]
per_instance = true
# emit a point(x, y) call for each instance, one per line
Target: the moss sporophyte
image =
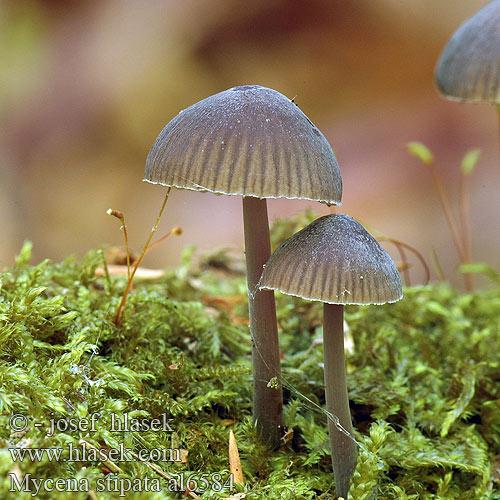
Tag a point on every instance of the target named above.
point(422, 379)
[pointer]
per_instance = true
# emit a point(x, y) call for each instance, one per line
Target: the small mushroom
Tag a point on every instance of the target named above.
point(336, 261)
point(254, 142)
point(469, 67)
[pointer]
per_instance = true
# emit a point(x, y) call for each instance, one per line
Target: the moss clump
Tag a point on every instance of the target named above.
point(424, 383)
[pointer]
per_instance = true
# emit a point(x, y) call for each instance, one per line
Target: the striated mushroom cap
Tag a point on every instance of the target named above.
point(469, 67)
point(250, 141)
point(334, 260)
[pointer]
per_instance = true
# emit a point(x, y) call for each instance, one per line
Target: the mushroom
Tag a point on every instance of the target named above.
point(336, 261)
point(469, 67)
point(254, 142)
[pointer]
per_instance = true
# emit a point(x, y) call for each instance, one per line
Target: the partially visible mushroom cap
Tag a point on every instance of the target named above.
point(469, 67)
point(250, 141)
point(334, 260)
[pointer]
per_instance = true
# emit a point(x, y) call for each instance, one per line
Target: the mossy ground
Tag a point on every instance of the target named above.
point(423, 374)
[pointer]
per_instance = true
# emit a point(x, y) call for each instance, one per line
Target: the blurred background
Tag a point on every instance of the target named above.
point(87, 86)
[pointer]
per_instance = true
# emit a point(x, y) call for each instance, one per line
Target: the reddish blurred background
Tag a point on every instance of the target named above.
point(87, 86)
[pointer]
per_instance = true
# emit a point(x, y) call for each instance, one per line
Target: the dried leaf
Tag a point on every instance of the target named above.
point(234, 460)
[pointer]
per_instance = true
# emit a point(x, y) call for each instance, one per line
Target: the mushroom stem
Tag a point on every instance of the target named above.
point(343, 447)
point(267, 397)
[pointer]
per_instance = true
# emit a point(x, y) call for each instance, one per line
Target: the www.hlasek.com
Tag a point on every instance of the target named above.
point(198, 483)
point(85, 454)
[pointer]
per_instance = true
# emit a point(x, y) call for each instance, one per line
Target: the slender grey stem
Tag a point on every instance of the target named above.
point(267, 398)
point(343, 448)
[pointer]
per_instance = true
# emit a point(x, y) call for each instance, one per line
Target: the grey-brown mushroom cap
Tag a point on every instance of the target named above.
point(334, 260)
point(250, 141)
point(469, 67)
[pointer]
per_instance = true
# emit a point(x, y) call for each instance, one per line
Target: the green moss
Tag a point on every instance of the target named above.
point(424, 382)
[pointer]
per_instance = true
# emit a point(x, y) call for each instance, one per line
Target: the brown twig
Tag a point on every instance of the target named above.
point(161, 473)
point(108, 463)
point(142, 272)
